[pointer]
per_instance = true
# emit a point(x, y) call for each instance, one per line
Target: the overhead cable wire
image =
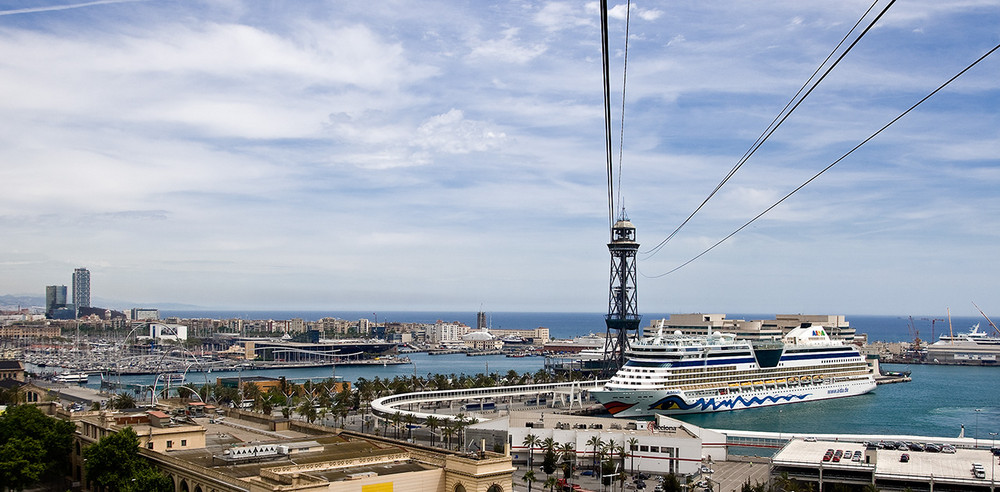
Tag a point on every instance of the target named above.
point(621, 137)
point(783, 115)
point(607, 114)
point(841, 158)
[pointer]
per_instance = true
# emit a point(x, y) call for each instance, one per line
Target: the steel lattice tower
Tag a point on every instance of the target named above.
point(623, 302)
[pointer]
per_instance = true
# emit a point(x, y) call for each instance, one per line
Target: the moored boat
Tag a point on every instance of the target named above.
point(71, 377)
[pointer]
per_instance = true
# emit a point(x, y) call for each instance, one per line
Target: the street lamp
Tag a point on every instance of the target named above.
point(978, 411)
point(993, 458)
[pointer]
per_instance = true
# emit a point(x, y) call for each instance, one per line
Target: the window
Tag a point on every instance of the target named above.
point(644, 448)
point(184, 442)
point(170, 444)
point(654, 449)
point(149, 445)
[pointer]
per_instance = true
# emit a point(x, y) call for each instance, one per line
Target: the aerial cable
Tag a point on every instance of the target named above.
point(621, 138)
point(781, 116)
point(825, 169)
point(607, 114)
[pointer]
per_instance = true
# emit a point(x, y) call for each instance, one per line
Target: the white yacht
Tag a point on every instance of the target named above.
point(972, 347)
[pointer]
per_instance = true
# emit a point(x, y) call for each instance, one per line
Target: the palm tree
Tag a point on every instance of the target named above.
point(529, 476)
point(432, 423)
point(460, 423)
point(549, 444)
point(632, 448)
point(411, 421)
point(596, 442)
point(121, 400)
point(549, 464)
point(252, 392)
point(620, 449)
point(397, 417)
point(568, 452)
point(550, 482)
point(531, 441)
point(447, 431)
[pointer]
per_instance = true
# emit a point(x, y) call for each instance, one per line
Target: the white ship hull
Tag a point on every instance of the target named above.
point(644, 403)
point(67, 377)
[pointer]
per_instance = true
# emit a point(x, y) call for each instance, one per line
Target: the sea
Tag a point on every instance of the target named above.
point(939, 402)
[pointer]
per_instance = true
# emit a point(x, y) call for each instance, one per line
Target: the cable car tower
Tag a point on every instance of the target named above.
point(623, 301)
point(623, 316)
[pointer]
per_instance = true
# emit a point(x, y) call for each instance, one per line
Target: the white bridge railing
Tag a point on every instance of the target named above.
point(388, 405)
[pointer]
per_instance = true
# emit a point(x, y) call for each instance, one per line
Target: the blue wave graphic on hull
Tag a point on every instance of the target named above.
point(674, 402)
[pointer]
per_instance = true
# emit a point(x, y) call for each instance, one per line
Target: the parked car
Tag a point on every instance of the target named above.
point(904, 458)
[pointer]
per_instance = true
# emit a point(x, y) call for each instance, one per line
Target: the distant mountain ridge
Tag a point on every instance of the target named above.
point(9, 301)
point(15, 301)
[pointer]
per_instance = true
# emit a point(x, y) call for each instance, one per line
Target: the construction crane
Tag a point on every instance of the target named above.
point(932, 320)
point(915, 333)
point(988, 320)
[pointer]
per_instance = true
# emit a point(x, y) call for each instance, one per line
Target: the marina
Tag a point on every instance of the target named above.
point(938, 402)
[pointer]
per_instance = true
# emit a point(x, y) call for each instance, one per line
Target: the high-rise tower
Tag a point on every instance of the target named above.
point(81, 288)
point(55, 297)
point(623, 301)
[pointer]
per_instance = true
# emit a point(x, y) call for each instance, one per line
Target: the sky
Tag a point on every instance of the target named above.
point(399, 155)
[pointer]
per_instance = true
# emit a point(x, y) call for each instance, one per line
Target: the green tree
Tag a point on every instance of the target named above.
point(568, 452)
point(184, 392)
point(447, 431)
point(671, 484)
point(596, 442)
point(550, 483)
point(632, 448)
point(34, 447)
point(11, 396)
point(531, 441)
point(115, 464)
point(18, 468)
point(432, 423)
point(411, 421)
point(122, 400)
point(529, 476)
point(549, 462)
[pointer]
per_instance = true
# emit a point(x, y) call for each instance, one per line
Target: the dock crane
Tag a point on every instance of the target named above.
point(988, 320)
point(932, 320)
point(915, 333)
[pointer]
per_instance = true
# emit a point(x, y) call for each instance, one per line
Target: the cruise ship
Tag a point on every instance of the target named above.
point(673, 374)
point(972, 347)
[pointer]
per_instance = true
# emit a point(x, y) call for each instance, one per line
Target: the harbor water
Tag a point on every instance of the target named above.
point(937, 403)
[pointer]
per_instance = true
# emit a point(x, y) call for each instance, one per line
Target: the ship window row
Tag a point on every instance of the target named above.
point(736, 376)
point(730, 371)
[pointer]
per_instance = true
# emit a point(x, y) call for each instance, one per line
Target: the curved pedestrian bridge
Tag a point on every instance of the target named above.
point(565, 393)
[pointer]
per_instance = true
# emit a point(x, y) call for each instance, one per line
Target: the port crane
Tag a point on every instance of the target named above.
point(988, 320)
point(932, 320)
point(915, 333)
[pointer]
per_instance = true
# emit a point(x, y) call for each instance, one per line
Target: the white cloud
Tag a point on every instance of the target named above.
point(299, 151)
point(556, 16)
point(507, 49)
point(452, 133)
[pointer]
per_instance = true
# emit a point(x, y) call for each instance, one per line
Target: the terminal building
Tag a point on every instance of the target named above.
point(888, 470)
point(652, 447)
